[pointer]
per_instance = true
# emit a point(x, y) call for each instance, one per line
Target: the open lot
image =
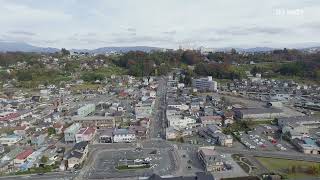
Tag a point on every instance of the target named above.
point(106, 163)
point(259, 139)
point(293, 169)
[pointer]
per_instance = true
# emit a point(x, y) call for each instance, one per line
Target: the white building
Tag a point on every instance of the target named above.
point(86, 110)
point(205, 84)
point(180, 121)
point(143, 110)
point(123, 135)
point(10, 140)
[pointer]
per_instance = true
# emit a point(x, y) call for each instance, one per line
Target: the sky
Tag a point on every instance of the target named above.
point(161, 23)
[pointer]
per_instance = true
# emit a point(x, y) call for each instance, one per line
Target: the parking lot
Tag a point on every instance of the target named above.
point(264, 138)
point(105, 166)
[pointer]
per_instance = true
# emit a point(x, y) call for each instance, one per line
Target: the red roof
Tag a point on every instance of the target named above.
point(57, 125)
point(23, 155)
point(20, 128)
point(9, 116)
point(89, 131)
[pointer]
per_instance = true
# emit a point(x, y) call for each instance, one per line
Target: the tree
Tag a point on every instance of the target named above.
point(65, 52)
point(191, 57)
point(44, 159)
point(24, 76)
point(51, 131)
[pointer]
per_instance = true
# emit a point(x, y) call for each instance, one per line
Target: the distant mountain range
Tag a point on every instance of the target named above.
point(255, 49)
point(24, 47)
point(124, 49)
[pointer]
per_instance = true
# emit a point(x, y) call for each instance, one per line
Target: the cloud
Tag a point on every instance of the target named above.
point(212, 23)
point(173, 32)
point(131, 30)
point(25, 33)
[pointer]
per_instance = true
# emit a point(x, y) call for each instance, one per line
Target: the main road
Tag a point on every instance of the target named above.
point(158, 124)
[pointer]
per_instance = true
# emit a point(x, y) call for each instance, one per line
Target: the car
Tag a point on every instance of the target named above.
point(263, 145)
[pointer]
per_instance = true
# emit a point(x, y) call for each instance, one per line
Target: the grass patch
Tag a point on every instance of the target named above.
point(292, 168)
point(86, 86)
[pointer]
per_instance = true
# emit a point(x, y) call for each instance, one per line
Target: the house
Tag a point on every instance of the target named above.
point(58, 128)
point(10, 139)
point(38, 139)
point(20, 130)
point(140, 131)
point(123, 135)
point(78, 154)
point(171, 133)
point(228, 118)
point(95, 121)
point(143, 110)
point(85, 134)
point(210, 159)
point(22, 157)
point(70, 133)
point(222, 139)
point(209, 120)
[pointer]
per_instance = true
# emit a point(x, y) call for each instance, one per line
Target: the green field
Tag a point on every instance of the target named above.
point(292, 168)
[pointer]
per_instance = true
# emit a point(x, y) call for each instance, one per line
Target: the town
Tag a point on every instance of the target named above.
point(160, 90)
point(159, 127)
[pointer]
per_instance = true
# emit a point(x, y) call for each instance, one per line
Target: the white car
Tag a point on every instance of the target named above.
point(252, 147)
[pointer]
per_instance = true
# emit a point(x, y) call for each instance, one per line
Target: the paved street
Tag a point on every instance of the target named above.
point(271, 154)
point(158, 124)
point(47, 176)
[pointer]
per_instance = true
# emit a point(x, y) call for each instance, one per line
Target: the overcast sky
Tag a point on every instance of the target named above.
point(161, 23)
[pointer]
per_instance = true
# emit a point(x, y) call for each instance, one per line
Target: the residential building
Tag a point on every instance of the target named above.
point(20, 130)
point(85, 134)
point(10, 139)
point(171, 133)
point(22, 157)
point(95, 121)
point(78, 154)
point(209, 120)
point(70, 133)
point(143, 110)
point(181, 121)
point(222, 139)
point(86, 110)
point(210, 159)
point(205, 84)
